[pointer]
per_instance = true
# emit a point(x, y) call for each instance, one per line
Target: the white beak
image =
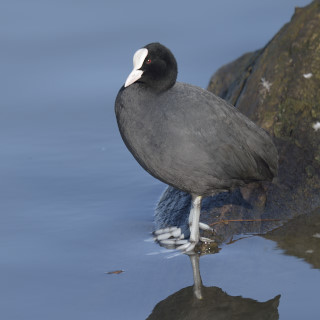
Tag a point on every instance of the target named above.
point(133, 77)
point(138, 60)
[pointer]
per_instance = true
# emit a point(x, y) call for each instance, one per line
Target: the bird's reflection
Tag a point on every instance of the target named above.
point(200, 302)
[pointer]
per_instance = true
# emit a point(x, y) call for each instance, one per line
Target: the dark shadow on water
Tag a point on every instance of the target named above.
point(300, 237)
point(200, 302)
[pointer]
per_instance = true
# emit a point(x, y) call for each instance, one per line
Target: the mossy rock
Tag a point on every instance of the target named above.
point(278, 87)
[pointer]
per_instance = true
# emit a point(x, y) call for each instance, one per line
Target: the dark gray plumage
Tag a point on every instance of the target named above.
point(186, 136)
point(191, 139)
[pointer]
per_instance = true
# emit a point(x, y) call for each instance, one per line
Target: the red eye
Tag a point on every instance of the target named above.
point(148, 61)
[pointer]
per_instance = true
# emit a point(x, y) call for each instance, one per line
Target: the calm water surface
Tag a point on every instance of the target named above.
point(75, 204)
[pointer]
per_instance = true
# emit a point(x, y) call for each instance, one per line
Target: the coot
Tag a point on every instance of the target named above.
point(186, 136)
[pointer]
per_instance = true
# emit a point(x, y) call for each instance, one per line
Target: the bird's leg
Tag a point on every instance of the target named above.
point(194, 218)
point(197, 287)
point(195, 225)
point(172, 236)
point(191, 214)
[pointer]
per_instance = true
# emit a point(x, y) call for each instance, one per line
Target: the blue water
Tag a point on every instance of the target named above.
point(74, 203)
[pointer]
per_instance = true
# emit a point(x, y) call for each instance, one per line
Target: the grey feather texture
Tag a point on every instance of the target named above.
point(193, 140)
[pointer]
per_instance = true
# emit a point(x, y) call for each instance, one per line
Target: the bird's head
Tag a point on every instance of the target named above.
point(154, 66)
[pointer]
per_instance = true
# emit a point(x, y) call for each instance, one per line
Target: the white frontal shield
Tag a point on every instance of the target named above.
point(138, 60)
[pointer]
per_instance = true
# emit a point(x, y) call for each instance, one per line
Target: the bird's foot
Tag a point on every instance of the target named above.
point(205, 227)
point(190, 245)
point(173, 238)
point(193, 241)
point(170, 238)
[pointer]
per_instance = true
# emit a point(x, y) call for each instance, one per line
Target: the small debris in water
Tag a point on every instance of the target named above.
point(114, 272)
point(309, 251)
point(316, 235)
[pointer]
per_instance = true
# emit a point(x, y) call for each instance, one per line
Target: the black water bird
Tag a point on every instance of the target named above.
point(186, 136)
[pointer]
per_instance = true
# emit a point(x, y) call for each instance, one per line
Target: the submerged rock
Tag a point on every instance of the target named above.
point(278, 87)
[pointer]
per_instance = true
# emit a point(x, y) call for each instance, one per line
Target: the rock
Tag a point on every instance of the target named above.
point(278, 87)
